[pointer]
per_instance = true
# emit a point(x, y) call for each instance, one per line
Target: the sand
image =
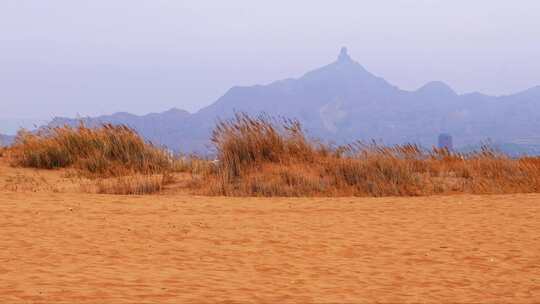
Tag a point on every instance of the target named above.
point(74, 248)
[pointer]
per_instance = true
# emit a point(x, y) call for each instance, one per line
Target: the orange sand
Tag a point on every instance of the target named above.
point(71, 247)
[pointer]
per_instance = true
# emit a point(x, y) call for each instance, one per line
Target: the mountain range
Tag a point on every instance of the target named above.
point(343, 102)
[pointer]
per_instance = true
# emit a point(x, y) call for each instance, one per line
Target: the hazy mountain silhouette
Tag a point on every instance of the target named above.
point(342, 102)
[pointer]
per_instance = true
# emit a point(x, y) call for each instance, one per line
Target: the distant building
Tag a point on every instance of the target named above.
point(445, 142)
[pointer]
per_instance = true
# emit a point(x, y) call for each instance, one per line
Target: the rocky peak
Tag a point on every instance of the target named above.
point(344, 55)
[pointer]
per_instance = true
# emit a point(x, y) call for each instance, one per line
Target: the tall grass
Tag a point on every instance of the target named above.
point(105, 151)
point(263, 156)
point(244, 142)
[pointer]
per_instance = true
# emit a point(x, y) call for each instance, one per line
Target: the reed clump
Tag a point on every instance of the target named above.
point(264, 156)
point(105, 151)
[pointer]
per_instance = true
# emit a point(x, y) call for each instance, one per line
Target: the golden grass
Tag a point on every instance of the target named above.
point(115, 158)
point(269, 157)
point(105, 151)
point(264, 156)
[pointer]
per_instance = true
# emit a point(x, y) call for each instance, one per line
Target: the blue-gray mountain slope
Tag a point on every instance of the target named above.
point(343, 102)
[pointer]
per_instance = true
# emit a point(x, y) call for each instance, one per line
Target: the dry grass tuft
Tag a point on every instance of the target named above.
point(101, 152)
point(269, 157)
point(115, 158)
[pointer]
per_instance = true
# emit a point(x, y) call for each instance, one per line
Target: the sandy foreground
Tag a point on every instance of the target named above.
point(71, 247)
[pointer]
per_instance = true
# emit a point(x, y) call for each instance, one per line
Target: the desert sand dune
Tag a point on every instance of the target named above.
point(62, 247)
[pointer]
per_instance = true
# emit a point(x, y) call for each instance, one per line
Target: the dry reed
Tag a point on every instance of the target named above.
point(263, 156)
point(105, 151)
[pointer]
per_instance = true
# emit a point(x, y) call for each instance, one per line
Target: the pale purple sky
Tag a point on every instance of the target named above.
point(63, 57)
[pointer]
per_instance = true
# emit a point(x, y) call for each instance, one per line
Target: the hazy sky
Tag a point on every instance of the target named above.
point(63, 57)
